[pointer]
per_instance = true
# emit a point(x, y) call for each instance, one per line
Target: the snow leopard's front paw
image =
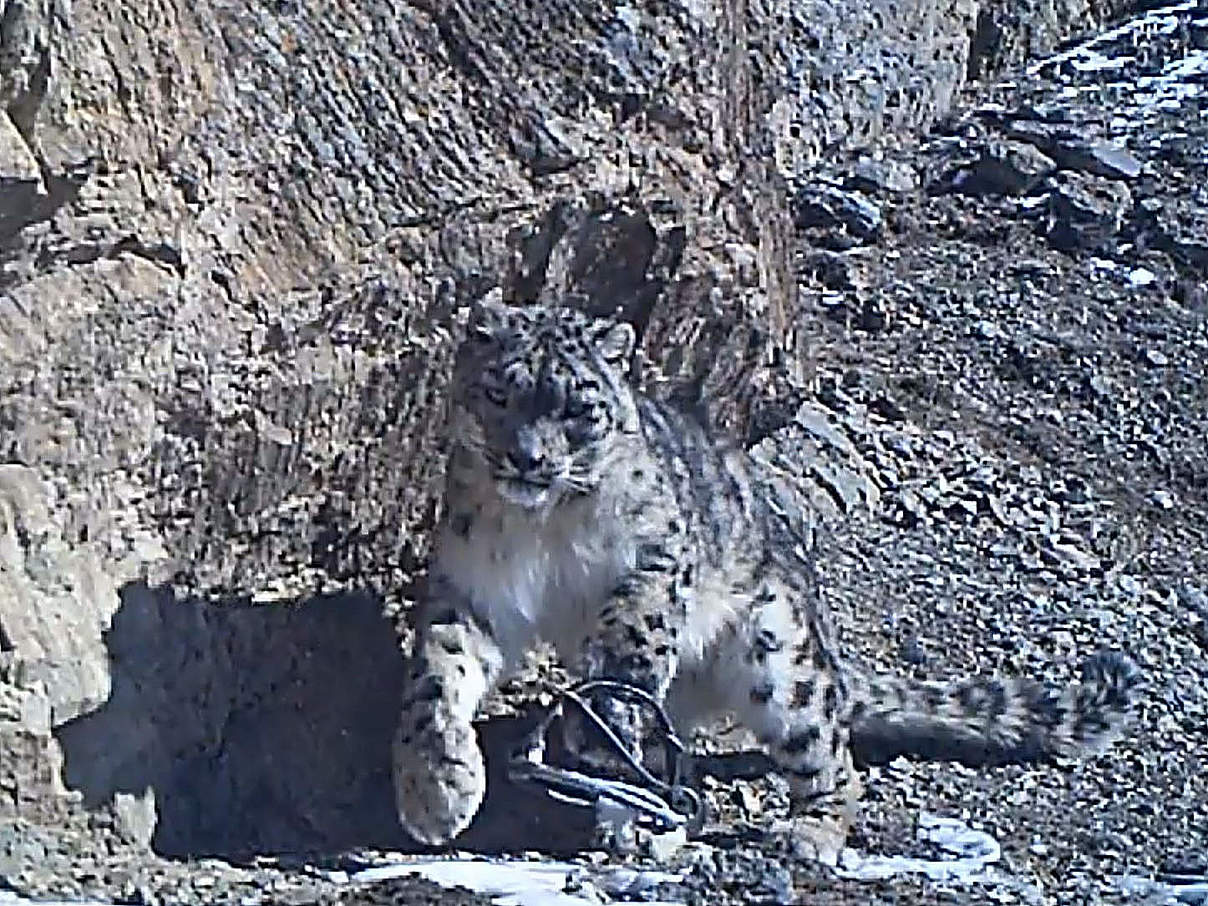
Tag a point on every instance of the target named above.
point(439, 776)
point(815, 839)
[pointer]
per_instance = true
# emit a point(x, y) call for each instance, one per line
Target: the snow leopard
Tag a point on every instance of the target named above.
point(584, 513)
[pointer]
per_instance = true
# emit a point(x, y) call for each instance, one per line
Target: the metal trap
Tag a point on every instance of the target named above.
point(654, 803)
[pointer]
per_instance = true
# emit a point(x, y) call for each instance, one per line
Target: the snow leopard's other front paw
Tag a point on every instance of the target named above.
point(590, 747)
point(816, 839)
point(439, 776)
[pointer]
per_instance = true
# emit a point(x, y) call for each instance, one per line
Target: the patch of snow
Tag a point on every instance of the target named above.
point(1180, 80)
point(1093, 61)
point(1141, 276)
point(523, 883)
point(1158, 21)
point(973, 853)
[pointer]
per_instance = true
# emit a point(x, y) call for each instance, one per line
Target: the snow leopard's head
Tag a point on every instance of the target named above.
point(540, 399)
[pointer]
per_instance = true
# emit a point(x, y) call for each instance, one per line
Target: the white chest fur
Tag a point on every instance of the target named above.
point(534, 574)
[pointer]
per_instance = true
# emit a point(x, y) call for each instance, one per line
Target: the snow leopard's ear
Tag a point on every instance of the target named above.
point(614, 340)
point(488, 315)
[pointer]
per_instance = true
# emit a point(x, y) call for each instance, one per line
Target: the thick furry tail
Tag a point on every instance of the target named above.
point(980, 722)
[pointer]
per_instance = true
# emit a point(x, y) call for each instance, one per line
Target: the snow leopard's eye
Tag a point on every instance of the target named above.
point(495, 396)
point(577, 408)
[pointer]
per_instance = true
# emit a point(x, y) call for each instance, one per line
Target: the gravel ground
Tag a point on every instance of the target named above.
point(1007, 432)
point(1019, 359)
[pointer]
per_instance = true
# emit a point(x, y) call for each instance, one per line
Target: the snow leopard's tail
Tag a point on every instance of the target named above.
point(980, 722)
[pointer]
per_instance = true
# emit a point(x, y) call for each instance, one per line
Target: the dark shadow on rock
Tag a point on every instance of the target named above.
point(518, 818)
point(259, 729)
point(267, 729)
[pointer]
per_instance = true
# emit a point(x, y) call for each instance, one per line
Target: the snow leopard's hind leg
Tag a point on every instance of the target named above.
point(788, 689)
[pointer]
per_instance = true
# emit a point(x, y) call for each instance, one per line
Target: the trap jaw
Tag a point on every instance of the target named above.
point(652, 803)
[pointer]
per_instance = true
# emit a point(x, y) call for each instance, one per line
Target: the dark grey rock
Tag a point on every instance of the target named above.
point(842, 217)
point(1198, 34)
point(888, 408)
point(913, 652)
point(1084, 211)
point(1004, 168)
point(833, 270)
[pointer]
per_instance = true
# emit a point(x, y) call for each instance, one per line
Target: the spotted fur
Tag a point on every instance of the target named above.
point(581, 512)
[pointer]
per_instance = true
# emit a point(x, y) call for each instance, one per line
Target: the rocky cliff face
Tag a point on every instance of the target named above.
point(235, 241)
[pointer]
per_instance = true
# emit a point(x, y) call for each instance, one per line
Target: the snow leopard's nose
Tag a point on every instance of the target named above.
point(525, 461)
point(526, 454)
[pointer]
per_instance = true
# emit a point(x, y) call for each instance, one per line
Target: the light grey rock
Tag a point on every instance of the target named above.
point(884, 175)
point(1073, 151)
point(135, 816)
